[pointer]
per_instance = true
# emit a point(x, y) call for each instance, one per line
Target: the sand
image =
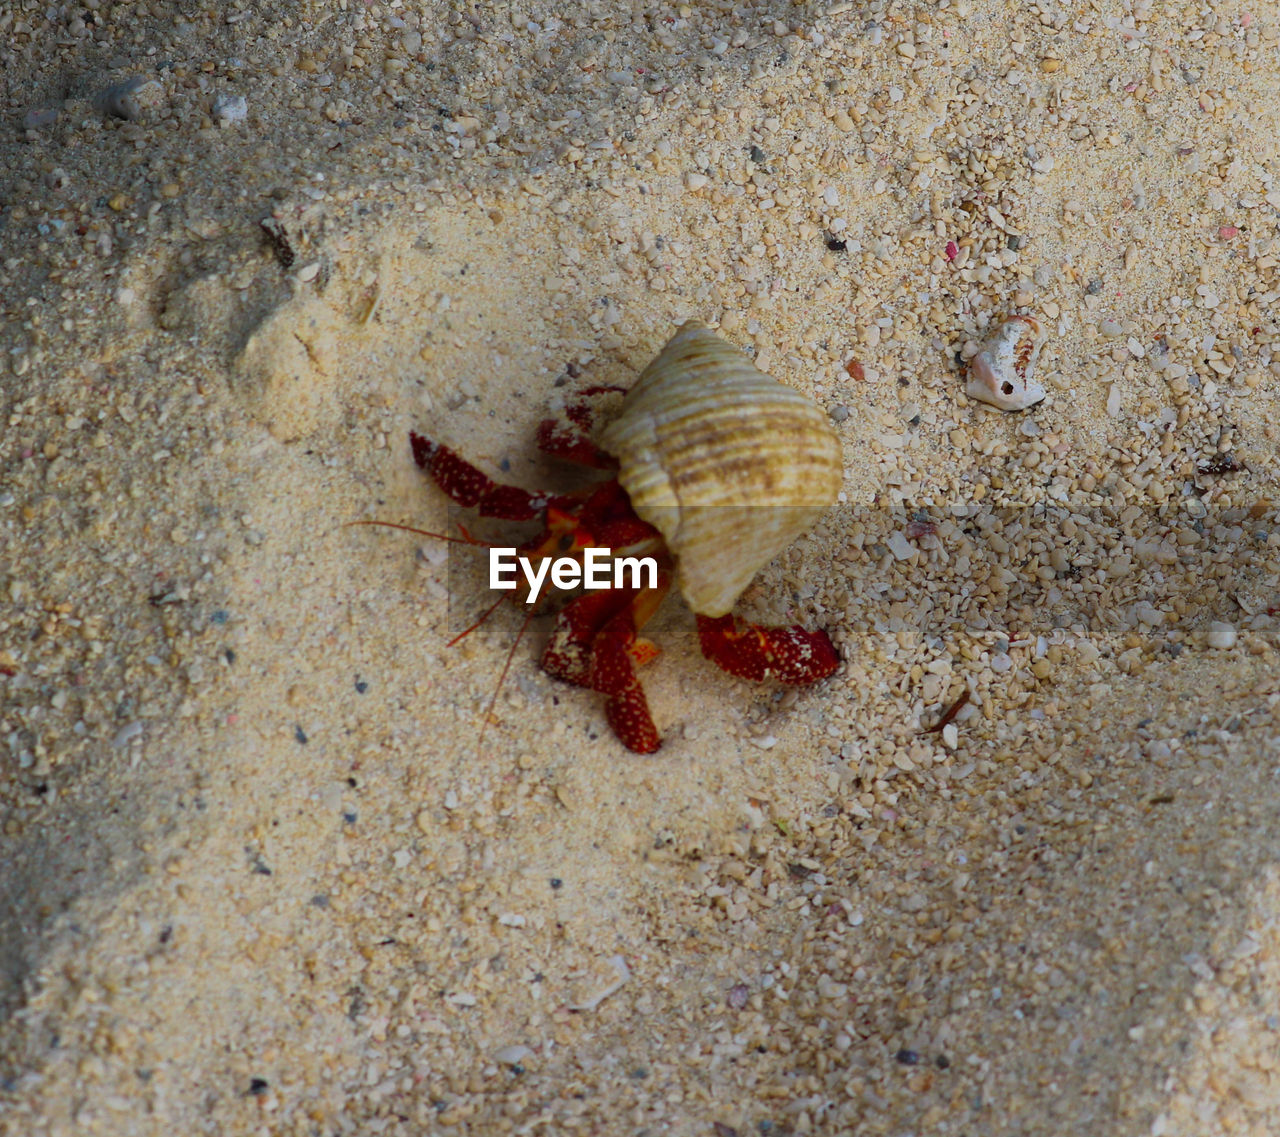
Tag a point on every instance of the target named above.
point(262, 874)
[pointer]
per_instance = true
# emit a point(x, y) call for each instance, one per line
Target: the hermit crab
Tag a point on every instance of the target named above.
point(717, 468)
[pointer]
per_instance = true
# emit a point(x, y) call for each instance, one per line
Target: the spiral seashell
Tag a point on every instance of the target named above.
point(1002, 372)
point(727, 463)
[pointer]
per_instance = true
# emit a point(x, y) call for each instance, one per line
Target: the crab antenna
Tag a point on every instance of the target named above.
point(462, 635)
point(465, 539)
point(474, 542)
point(502, 677)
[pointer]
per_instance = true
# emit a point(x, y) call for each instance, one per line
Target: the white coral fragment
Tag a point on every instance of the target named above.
point(1003, 372)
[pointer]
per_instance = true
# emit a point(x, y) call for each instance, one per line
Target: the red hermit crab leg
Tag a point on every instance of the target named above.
point(472, 488)
point(594, 644)
point(613, 672)
point(570, 438)
point(788, 654)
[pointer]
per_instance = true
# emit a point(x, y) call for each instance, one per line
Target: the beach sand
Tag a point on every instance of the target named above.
point(263, 875)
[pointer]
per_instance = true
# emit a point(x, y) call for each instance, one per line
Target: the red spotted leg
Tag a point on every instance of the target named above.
point(570, 438)
point(594, 644)
point(790, 654)
point(473, 488)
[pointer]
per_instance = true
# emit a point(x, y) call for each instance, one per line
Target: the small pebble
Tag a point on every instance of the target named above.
point(1222, 635)
point(126, 734)
point(622, 975)
point(899, 546)
point(230, 108)
point(37, 117)
point(120, 99)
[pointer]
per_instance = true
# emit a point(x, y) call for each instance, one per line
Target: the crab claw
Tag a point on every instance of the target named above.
point(789, 654)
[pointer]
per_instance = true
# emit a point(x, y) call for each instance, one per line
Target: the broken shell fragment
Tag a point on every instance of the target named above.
point(120, 100)
point(1002, 373)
